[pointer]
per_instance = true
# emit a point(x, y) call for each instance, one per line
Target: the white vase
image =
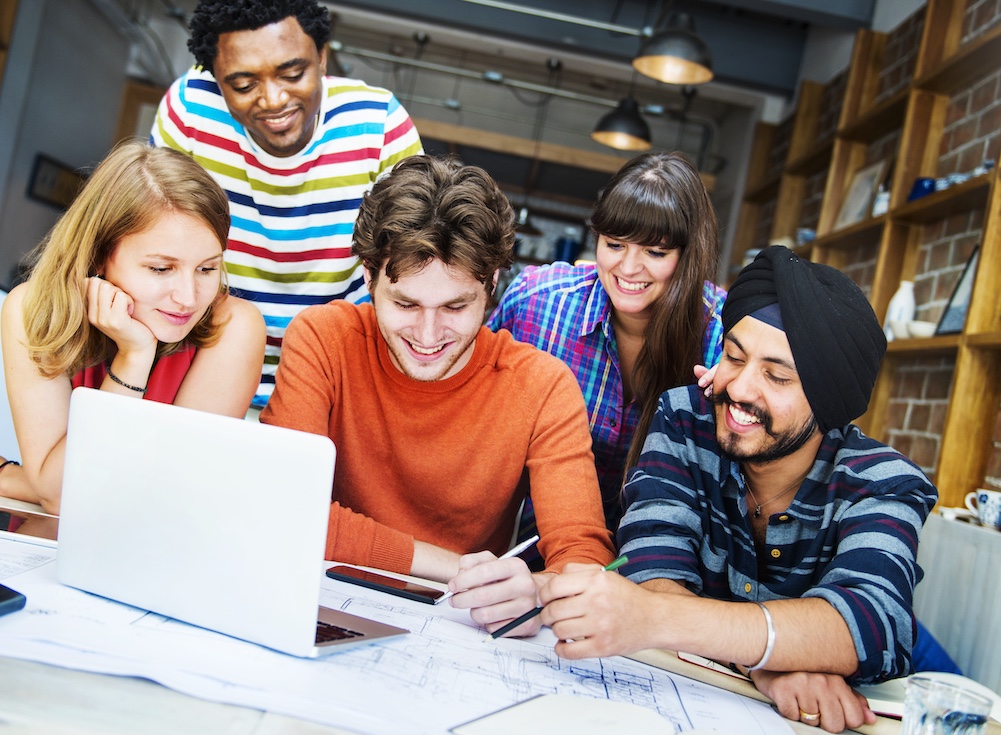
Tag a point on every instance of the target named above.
point(901, 309)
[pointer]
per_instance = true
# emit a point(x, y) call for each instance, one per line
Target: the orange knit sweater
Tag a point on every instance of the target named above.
point(443, 462)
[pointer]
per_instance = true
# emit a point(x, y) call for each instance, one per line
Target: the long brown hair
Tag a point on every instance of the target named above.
point(659, 199)
point(128, 191)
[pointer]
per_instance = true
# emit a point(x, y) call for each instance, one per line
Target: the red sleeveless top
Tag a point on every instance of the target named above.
point(164, 380)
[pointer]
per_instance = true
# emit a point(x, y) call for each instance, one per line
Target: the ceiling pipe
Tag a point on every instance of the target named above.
point(707, 125)
point(486, 76)
point(562, 17)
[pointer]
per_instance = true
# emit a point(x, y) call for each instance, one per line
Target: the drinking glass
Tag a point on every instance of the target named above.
point(933, 707)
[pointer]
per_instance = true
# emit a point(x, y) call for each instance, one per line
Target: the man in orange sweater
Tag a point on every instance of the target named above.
point(440, 424)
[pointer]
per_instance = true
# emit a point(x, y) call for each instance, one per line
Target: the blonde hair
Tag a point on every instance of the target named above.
point(127, 192)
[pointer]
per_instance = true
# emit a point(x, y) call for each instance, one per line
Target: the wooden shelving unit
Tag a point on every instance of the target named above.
point(909, 123)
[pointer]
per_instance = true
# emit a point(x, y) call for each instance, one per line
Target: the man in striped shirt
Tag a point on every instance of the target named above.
point(294, 150)
point(762, 527)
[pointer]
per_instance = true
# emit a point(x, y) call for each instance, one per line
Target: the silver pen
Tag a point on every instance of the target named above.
point(513, 551)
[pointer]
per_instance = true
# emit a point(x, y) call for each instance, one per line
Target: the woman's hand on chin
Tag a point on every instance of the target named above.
point(109, 309)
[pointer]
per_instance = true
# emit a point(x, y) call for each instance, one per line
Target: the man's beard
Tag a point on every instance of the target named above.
point(784, 444)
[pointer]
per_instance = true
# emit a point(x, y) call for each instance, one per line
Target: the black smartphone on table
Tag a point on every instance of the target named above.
point(10, 600)
point(374, 581)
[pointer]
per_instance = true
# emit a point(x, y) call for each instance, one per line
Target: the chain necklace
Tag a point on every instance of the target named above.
point(757, 508)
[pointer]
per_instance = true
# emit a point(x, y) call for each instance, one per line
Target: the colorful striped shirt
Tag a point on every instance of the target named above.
point(292, 217)
point(564, 310)
point(850, 535)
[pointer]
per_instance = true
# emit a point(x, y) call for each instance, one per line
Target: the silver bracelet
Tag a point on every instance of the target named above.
point(770, 643)
point(122, 383)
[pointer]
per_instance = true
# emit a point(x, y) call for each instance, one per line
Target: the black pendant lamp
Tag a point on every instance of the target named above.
point(623, 128)
point(675, 54)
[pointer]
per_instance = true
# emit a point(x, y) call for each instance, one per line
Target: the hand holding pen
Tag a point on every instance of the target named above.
point(513, 551)
point(504, 630)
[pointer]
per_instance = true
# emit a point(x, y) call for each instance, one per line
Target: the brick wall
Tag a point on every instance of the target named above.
point(900, 56)
point(831, 100)
point(980, 17)
point(945, 248)
point(916, 411)
point(780, 148)
point(813, 199)
point(859, 263)
point(972, 130)
point(883, 149)
point(763, 227)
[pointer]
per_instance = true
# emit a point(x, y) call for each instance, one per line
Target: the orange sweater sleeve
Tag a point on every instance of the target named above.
point(564, 483)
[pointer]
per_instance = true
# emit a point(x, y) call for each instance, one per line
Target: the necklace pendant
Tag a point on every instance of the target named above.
point(757, 512)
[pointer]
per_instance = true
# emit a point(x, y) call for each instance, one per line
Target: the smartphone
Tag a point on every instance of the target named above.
point(398, 587)
point(10, 600)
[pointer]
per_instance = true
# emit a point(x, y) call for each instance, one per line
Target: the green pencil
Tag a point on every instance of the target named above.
point(610, 567)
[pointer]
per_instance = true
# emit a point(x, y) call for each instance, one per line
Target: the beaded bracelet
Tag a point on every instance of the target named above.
point(9, 461)
point(769, 643)
point(122, 383)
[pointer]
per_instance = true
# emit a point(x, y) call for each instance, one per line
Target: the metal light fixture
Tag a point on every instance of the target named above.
point(524, 224)
point(623, 128)
point(675, 55)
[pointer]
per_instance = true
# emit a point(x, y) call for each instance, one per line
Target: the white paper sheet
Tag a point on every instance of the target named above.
point(441, 675)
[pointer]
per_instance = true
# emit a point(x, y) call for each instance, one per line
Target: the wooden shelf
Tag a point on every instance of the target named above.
point(928, 347)
point(918, 128)
point(985, 340)
point(971, 194)
point(964, 66)
point(852, 234)
point(879, 120)
point(814, 160)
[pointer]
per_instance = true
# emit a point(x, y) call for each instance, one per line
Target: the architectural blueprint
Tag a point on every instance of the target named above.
point(441, 675)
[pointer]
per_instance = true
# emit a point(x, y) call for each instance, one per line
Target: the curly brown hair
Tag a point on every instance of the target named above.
point(435, 208)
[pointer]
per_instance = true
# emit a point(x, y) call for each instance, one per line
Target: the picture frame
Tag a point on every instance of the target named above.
point(53, 182)
point(954, 316)
point(857, 203)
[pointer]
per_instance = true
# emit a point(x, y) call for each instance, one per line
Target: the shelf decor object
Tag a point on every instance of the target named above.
point(857, 203)
point(954, 315)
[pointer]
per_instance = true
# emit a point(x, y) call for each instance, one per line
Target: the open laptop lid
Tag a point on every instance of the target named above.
point(212, 520)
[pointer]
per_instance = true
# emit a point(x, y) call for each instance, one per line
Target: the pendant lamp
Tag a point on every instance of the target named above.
point(675, 54)
point(623, 128)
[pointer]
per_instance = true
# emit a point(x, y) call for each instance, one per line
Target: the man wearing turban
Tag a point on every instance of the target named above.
point(762, 527)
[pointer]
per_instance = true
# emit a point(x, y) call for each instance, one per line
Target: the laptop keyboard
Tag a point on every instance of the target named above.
point(325, 633)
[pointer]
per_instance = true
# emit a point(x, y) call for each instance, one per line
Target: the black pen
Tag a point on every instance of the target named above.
point(505, 629)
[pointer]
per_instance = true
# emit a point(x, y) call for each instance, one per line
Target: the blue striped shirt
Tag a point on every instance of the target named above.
point(565, 311)
point(850, 535)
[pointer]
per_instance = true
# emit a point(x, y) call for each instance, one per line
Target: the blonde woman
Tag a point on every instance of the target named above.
point(127, 295)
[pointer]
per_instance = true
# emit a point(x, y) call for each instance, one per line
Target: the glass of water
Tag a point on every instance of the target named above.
point(934, 707)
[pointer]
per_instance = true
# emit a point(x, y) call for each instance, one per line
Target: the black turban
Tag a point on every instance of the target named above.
point(834, 335)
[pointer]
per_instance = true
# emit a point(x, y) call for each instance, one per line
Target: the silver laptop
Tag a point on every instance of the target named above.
point(216, 521)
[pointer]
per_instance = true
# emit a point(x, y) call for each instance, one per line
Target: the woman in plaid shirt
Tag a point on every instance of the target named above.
point(634, 323)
